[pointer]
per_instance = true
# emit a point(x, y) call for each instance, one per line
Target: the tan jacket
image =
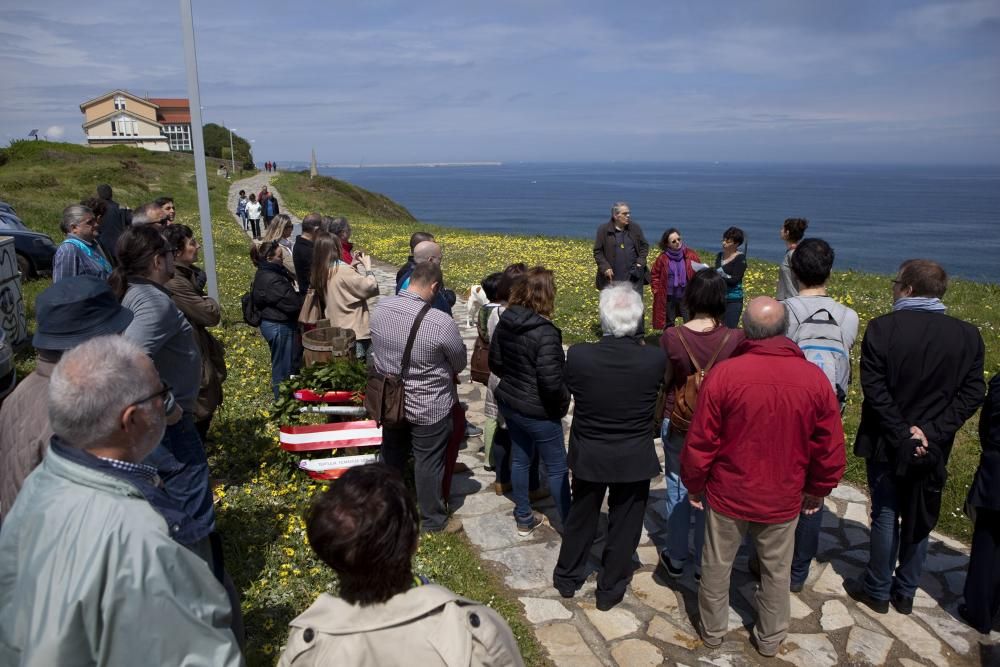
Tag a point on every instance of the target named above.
point(426, 626)
point(202, 312)
point(347, 292)
point(24, 432)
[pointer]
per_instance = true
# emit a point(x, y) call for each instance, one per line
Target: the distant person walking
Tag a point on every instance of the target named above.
point(269, 205)
point(792, 231)
point(671, 272)
point(253, 216)
point(80, 254)
point(241, 208)
point(731, 265)
point(922, 377)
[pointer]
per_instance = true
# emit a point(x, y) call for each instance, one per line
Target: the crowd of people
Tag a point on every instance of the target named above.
point(750, 420)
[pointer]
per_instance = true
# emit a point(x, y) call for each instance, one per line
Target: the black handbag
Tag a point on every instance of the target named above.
point(385, 398)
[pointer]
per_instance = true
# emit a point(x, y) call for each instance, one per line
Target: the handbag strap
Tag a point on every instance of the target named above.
point(711, 362)
point(405, 364)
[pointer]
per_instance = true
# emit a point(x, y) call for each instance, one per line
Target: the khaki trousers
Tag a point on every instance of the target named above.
point(775, 543)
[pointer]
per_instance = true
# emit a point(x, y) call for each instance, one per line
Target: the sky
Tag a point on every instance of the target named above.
point(849, 81)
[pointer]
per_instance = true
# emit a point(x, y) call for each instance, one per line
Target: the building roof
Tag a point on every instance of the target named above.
point(172, 109)
point(118, 91)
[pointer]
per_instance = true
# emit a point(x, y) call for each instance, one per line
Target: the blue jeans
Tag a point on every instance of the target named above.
point(182, 465)
point(734, 309)
point(528, 434)
point(879, 580)
point(280, 337)
point(806, 544)
point(679, 510)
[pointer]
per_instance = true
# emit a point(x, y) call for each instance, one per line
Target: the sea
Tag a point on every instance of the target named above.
point(873, 216)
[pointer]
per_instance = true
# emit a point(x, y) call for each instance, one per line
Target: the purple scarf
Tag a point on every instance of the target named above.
point(678, 275)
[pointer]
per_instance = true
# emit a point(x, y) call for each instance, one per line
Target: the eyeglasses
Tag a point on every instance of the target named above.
point(164, 391)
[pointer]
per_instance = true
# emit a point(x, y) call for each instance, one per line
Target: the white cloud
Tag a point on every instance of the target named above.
point(55, 132)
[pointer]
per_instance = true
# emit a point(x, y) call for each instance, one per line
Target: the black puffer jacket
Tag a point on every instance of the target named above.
point(274, 295)
point(526, 354)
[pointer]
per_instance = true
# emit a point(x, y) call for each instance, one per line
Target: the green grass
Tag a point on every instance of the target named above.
point(262, 495)
point(468, 256)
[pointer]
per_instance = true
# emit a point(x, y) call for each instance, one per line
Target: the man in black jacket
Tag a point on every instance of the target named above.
point(621, 250)
point(615, 383)
point(922, 377)
point(302, 251)
point(113, 223)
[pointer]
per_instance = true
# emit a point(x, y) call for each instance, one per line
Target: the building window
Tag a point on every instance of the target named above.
point(119, 103)
point(179, 137)
point(124, 128)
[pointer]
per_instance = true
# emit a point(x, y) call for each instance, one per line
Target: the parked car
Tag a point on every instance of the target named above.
point(34, 249)
point(8, 378)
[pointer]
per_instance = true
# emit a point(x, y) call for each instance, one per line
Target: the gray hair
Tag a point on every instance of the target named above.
point(144, 214)
point(621, 310)
point(90, 387)
point(617, 206)
point(74, 215)
point(759, 330)
point(338, 226)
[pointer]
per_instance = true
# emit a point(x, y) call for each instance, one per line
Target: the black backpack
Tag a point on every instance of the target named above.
point(250, 313)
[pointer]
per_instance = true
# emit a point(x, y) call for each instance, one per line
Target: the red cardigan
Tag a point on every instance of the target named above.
point(659, 280)
point(766, 429)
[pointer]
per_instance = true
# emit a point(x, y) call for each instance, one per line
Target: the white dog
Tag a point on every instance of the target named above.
point(475, 301)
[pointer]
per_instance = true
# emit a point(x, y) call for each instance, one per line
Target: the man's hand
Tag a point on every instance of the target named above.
point(917, 433)
point(811, 504)
point(697, 500)
point(609, 274)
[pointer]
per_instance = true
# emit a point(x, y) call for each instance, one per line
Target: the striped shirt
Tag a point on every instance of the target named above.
point(438, 355)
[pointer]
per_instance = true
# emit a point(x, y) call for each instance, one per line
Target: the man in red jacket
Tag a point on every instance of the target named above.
point(766, 442)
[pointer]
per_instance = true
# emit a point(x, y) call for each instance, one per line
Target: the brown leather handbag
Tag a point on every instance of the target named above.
point(479, 366)
point(385, 399)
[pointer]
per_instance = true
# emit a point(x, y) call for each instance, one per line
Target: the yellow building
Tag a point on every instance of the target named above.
point(121, 118)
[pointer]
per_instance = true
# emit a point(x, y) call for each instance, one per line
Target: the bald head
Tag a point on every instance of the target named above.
point(427, 251)
point(764, 318)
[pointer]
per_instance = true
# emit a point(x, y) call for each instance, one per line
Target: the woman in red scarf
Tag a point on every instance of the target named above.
point(671, 273)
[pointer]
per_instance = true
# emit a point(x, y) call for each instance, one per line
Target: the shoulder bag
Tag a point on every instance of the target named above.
point(384, 393)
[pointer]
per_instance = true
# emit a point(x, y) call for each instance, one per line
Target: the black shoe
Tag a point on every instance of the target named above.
point(605, 604)
point(796, 586)
point(902, 604)
point(963, 613)
point(668, 565)
point(862, 597)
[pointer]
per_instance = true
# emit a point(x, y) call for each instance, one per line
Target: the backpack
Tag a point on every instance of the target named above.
point(821, 340)
point(686, 396)
point(479, 366)
point(250, 313)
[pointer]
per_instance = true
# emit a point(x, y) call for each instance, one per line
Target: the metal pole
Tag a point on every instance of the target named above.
point(232, 155)
point(200, 172)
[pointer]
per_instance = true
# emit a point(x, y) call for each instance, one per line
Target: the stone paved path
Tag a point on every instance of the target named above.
point(653, 625)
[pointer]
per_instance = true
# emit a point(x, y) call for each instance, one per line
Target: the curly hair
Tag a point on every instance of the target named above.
point(536, 290)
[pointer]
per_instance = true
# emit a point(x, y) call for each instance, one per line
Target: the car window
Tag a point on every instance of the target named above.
point(8, 221)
